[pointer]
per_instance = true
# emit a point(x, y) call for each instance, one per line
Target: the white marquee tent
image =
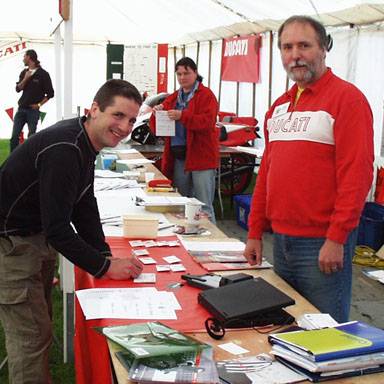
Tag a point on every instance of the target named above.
point(193, 27)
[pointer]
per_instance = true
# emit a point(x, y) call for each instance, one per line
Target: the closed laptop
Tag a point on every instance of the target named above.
point(244, 300)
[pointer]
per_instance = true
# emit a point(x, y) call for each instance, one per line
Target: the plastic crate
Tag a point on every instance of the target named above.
point(371, 226)
point(242, 206)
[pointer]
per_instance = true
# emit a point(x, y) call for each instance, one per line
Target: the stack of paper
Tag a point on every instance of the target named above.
point(128, 303)
point(154, 353)
point(102, 184)
point(348, 349)
point(221, 256)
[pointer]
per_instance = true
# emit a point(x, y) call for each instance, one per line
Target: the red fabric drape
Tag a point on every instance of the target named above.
point(91, 350)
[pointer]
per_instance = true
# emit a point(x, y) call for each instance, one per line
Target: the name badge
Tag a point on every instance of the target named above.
point(281, 109)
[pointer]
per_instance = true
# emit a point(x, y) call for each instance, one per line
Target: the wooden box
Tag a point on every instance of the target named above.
point(140, 227)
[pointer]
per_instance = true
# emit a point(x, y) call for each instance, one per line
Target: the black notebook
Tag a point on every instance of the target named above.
point(246, 300)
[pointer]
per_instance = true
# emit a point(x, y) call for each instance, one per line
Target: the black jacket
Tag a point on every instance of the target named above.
point(37, 87)
point(46, 184)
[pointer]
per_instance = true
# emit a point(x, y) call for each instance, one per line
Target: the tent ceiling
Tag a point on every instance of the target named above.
point(176, 21)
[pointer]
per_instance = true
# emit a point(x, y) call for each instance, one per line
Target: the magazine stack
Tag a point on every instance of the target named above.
point(349, 349)
point(154, 353)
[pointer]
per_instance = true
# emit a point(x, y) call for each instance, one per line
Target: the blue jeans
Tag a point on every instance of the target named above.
point(24, 115)
point(296, 261)
point(198, 184)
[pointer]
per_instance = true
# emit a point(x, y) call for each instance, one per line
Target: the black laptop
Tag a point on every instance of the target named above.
point(245, 301)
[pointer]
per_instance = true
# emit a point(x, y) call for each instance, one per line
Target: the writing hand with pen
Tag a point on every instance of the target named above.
point(123, 269)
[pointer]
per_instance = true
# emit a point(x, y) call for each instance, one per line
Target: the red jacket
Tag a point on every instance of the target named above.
point(199, 120)
point(318, 162)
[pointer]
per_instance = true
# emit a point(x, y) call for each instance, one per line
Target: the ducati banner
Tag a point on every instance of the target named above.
point(240, 59)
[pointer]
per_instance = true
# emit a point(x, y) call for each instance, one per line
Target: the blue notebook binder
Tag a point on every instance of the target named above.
point(349, 339)
point(317, 377)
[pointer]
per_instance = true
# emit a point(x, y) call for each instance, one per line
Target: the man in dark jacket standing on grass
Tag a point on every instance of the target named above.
point(36, 85)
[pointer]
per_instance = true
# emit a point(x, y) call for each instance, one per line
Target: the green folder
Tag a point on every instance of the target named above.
point(325, 340)
point(154, 344)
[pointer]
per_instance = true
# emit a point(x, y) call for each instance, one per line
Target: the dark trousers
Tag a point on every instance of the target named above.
point(24, 115)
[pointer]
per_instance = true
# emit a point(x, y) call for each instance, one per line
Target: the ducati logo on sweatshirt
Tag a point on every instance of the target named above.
point(307, 126)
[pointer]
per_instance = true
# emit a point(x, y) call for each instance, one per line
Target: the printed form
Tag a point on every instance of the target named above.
point(164, 125)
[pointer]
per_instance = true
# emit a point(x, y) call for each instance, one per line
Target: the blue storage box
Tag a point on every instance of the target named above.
point(242, 206)
point(371, 226)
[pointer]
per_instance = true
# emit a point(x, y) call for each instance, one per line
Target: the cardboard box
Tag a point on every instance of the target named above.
point(140, 227)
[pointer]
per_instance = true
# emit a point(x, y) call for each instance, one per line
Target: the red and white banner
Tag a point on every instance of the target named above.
point(240, 59)
point(162, 68)
point(12, 48)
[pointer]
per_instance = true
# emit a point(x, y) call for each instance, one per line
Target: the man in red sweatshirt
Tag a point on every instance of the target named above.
point(315, 174)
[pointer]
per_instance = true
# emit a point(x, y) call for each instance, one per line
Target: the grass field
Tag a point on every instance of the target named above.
point(4, 150)
point(64, 373)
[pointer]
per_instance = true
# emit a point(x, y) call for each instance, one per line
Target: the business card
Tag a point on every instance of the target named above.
point(147, 260)
point(140, 252)
point(171, 259)
point(145, 278)
point(163, 268)
point(177, 268)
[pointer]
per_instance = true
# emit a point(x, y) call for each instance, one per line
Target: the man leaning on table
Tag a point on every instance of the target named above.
point(46, 185)
point(315, 173)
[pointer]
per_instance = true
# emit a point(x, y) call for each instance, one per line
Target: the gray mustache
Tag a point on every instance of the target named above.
point(297, 63)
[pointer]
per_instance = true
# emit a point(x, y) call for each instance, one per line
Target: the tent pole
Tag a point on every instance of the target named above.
point(270, 69)
point(209, 63)
point(219, 96)
point(174, 73)
point(67, 267)
point(253, 99)
point(58, 83)
point(197, 54)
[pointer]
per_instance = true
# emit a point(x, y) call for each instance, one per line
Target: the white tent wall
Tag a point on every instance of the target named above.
point(370, 78)
point(215, 66)
point(171, 66)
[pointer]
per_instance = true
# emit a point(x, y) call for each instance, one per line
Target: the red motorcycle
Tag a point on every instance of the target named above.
point(236, 170)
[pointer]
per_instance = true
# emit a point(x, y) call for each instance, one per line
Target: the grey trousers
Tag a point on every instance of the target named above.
point(27, 266)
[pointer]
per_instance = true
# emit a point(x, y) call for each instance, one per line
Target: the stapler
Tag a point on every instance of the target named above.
point(160, 185)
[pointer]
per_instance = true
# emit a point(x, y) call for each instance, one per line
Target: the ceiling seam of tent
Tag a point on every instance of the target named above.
point(122, 13)
point(314, 8)
point(340, 21)
point(372, 6)
point(235, 12)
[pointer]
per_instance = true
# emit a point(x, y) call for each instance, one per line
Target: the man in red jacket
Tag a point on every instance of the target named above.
point(191, 156)
point(315, 174)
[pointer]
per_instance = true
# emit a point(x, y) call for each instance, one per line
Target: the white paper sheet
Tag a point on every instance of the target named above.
point(164, 125)
point(127, 303)
point(135, 161)
point(106, 173)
